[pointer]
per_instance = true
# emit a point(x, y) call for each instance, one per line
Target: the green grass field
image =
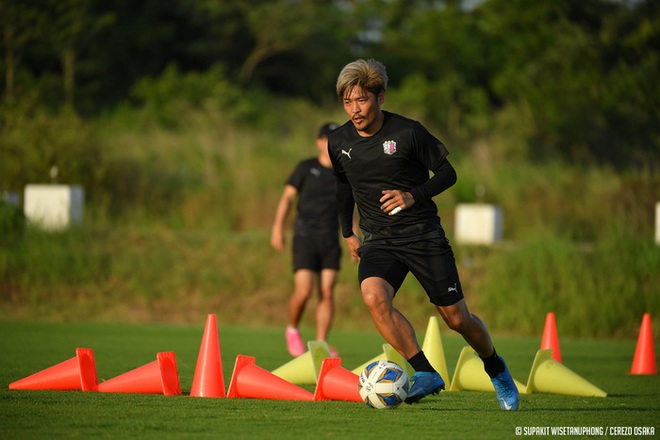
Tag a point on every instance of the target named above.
point(25, 348)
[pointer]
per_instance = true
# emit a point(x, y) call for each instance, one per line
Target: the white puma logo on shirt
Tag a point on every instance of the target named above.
point(347, 153)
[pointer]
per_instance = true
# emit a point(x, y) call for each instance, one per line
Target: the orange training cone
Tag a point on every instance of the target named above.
point(644, 361)
point(209, 380)
point(77, 373)
point(157, 377)
point(252, 381)
point(550, 339)
point(336, 382)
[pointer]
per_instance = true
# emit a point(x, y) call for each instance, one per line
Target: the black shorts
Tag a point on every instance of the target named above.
point(316, 252)
point(431, 261)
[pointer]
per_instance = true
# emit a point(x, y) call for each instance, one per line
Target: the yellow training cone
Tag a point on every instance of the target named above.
point(471, 376)
point(304, 369)
point(392, 355)
point(433, 348)
point(549, 376)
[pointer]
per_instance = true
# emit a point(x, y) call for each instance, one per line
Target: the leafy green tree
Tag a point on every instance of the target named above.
point(296, 46)
point(71, 23)
point(439, 60)
point(630, 64)
point(571, 80)
point(19, 22)
point(566, 79)
point(565, 67)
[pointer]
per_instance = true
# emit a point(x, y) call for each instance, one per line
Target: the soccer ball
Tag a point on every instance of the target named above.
point(383, 385)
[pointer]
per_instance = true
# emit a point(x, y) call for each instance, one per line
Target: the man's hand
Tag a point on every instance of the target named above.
point(353, 243)
point(394, 201)
point(277, 239)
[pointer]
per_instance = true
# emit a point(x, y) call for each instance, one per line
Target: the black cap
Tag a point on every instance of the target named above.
point(325, 130)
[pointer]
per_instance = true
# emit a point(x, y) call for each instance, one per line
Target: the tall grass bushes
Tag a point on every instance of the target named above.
point(600, 289)
point(180, 196)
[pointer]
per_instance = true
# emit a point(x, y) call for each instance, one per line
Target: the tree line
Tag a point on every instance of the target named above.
point(560, 79)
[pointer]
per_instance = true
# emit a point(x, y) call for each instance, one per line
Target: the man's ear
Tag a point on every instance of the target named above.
point(381, 97)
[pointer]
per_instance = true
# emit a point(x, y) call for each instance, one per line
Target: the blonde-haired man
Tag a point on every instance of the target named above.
point(382, 162)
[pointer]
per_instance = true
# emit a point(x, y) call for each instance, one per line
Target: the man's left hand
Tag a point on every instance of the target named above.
point(394, 201)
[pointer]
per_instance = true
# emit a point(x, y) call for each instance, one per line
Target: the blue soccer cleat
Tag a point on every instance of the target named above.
point(422, 384)
point(506, 389)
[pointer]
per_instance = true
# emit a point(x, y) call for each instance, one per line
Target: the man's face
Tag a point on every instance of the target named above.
point(363, 107)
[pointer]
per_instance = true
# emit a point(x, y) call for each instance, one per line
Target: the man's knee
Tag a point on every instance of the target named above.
point(326, 293)
point(302, 292)
point(375, 299)
point(372, 298)
point(376, 294)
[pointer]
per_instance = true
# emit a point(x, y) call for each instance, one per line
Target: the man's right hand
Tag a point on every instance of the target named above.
point(353, 243)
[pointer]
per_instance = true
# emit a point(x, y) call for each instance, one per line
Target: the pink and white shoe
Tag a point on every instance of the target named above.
point(294, 342)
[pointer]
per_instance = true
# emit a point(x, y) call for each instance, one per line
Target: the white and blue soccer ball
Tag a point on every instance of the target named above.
point(383, 385)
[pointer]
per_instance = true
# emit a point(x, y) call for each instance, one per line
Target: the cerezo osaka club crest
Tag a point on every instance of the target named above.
point(389, 147)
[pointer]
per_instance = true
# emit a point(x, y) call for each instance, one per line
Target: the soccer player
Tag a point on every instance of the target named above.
point(316, 248)
point(382, 162)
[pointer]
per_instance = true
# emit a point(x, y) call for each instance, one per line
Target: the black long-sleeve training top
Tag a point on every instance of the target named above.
point(398, 157)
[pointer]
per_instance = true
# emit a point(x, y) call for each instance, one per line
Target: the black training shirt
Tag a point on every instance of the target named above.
point(398, 157)
point(317, 206)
